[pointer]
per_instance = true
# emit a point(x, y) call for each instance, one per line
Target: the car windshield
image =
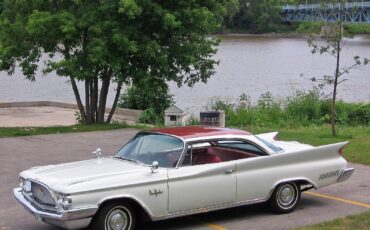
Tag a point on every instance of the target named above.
point(148, 147)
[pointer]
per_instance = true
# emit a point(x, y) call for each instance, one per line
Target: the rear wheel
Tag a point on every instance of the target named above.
point(285, 197)
point(114, 216)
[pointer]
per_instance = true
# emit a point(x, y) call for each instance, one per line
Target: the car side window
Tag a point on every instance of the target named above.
point(188, 158)
point(243, 146)
point(217, 151)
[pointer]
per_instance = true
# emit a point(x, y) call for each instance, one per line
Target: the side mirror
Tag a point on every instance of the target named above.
point(154, 167)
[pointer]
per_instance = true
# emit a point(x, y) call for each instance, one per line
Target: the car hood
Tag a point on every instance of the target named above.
point(61, 176)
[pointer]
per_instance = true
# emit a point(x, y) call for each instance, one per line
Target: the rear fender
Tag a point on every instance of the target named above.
point(298, 180)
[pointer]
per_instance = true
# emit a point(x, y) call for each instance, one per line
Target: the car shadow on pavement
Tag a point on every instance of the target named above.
point(200, 221)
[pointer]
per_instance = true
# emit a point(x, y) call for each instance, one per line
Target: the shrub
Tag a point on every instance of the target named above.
point(360, 115)
point(149, 116)
point(310, 27)
point(152, 97)
point(193, 120)
point(268, 109)
point(301, 109)
point(218, 103)
point(304, 106)
point(353, 29)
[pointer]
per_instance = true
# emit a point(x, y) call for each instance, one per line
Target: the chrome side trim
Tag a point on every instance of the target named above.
point(245, 138)
point(346, 174)
point(330, 174)
point(208, 209)
point(294, 179)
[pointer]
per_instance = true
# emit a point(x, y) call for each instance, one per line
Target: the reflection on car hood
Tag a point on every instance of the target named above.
point(72, 174)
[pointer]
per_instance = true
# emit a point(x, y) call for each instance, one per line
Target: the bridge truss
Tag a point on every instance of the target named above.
point(355, 12)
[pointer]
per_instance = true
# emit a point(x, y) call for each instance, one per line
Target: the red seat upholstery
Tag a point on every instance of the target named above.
point(229, 154)
point(204, 158)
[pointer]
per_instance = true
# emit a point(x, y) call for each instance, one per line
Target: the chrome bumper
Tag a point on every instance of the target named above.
point(70, 219)
point(347, 173)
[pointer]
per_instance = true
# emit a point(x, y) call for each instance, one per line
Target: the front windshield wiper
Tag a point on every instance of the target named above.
point(127, 159)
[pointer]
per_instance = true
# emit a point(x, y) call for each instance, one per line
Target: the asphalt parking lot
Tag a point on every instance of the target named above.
point(17, 154)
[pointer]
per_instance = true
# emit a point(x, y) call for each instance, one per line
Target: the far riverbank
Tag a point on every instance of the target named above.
point(279, 35)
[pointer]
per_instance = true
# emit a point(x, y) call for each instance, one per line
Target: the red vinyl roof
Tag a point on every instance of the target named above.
point(188, 132)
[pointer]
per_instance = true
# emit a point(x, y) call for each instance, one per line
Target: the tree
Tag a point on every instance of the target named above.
point(147, 95)
point(333, 45)
point(256, 16)
point(103, 41)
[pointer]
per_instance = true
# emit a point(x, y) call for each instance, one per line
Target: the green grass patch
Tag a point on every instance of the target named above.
point(357, 151)
point(350, 29)
point(26, 131)
point(357, 29)
point(353, 222)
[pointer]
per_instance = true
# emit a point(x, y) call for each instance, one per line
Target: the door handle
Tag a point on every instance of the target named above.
point(229, 171)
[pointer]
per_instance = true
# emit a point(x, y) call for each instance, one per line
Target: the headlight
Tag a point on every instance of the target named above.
point(64, 201)
point(25, 184)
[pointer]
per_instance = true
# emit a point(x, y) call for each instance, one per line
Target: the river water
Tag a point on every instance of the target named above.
point(248, 64)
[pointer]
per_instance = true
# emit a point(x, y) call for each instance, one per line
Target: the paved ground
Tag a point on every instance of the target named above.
point(36, 116)
point(17, 154)
point(44, 116)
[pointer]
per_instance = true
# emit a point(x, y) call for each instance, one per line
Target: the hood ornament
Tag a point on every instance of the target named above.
point(97, 152)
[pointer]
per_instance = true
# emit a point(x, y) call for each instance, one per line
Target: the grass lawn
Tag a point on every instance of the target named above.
point(357, 151)
point(353, 222)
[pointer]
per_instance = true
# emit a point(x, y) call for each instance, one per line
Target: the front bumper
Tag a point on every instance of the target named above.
point(70, 219)
point(346, 174)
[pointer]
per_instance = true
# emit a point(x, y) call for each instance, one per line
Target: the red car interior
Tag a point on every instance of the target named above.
point(215, 154)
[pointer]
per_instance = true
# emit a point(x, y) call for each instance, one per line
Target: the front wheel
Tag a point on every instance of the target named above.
point(114, 216)
point(285, 197)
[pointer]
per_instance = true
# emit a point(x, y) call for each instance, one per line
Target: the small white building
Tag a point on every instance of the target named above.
point(174, 116)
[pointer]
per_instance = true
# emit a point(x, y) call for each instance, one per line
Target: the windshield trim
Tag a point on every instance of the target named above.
point(157, 133)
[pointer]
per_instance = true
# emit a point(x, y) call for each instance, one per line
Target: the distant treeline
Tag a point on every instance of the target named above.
point(256, 16)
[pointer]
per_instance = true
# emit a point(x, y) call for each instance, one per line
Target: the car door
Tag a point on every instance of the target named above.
point(201, 186)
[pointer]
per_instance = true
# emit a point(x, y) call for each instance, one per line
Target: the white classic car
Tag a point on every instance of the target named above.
point(172, 172)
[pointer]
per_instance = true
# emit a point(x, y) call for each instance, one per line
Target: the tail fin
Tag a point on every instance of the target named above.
point(268, 136)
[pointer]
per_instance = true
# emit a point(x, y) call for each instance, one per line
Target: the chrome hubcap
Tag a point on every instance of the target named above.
point(286, 195)
point(117, 220)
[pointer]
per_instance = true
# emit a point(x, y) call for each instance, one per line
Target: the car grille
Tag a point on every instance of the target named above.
point(41, 194)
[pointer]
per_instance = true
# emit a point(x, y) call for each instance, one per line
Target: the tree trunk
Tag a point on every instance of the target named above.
point(333, 105)
point(333, 109)
point(103, 96)
point(92, 100)
point(78, 99)
point(87, 102)
point(95, 96)
point(118, 93)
